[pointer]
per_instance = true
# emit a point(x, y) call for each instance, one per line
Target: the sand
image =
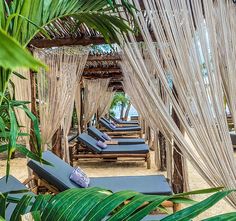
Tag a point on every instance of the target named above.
point(100, 168)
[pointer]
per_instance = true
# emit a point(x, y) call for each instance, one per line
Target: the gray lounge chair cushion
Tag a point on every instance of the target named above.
point(118, 121)
point(152, 184)
point(118, 129)
point(12, 184)
point(91, 143)
point(94, 132)
point(58, 176)
point(114, 122)
point(233, 137)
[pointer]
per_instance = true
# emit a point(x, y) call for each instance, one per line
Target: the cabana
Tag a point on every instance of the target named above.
point(178, 88)
point(100, 70)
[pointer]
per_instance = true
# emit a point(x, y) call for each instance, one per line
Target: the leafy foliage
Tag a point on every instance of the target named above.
point(11, 131)
point(119, 99)
point(94, 204)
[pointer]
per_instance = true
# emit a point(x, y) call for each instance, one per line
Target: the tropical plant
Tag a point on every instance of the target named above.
point(94, 204)
point(119, 100)
point(22, 20)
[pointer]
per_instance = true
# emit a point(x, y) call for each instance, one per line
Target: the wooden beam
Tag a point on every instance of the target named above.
point(104, 57)
point(69, 41)
point(102, 69)
point(114, 75)
point(115, 84)
point(47, 43)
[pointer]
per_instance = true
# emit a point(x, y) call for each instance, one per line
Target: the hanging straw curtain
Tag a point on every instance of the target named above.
point(22, 92)
point(57, 86)
point(75, 100)
point(225, 38)
point(78, 105)
point(186, 34)
point(105, 103)
point(93, 95)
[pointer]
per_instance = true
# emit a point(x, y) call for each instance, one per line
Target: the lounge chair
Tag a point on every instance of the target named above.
point(233, 138)
point(108, 126)
point(12, 184)
point(94, 132)
point(58, 176)
point(124, 122)
point(138, 151)
point(119, 124)
point(134, 131)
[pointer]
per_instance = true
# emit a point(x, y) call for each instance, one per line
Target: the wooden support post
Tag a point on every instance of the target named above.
point(33, 108)
point(162, 143)
point(81, 110)
point(178, 173)
point(56, 143)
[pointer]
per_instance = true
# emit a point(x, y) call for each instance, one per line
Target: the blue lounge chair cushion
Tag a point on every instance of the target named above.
point(116, 123)
point(233, 137)
point(12, 184)
point(119, 121)
point(106, 136)
point(91, 143)
point(119, 129)
point(94, 132)
point(58, 176)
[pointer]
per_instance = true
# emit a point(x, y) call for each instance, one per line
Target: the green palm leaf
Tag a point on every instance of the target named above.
point(193, 211)
point(12, 55)
point(99, 204)
point(223, 217)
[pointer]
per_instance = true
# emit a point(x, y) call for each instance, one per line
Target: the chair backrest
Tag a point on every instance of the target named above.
point(106, 120)
point(89, 142)
point(12, 184)
point(57, 175)
point(105, 124)
point(94, 132)
point(115, 119)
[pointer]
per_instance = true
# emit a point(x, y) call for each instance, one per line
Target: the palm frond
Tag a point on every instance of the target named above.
point(92, 204)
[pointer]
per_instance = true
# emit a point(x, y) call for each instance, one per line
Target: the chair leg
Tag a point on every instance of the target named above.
point(148, 159)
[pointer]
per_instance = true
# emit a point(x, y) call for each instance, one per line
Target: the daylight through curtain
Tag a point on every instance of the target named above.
point(105, 103)
point(56, 88)
point(22, 92)
point(93, 95)
point(186, 33)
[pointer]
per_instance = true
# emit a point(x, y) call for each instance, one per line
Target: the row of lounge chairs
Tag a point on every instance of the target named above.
point(118, 148)
point(96, 133)
point(120, 129)
point(56, 178)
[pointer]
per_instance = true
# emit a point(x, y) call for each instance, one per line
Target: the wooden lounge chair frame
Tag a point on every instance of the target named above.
point(50, 189)
point(80, 151)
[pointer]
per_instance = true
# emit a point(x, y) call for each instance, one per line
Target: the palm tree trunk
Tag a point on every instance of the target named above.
point(127, 111)
point(122, 110)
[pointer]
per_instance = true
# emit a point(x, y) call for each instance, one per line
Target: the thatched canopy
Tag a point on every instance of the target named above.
point(104, 65)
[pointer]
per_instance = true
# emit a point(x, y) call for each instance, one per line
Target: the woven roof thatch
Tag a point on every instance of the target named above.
point(104, 65)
